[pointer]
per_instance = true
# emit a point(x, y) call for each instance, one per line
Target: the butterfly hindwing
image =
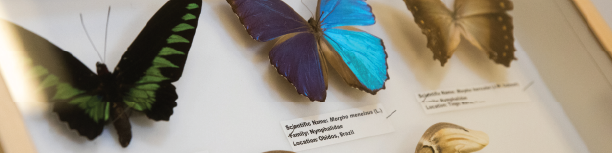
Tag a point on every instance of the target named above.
point(157, 57)
point(65, 81)
point(298, 60)
point(358, 57)
point(488, 27)
point(265, 20)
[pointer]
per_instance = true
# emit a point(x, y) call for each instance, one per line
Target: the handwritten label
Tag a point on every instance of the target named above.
point(471, 97)
point(341, 126)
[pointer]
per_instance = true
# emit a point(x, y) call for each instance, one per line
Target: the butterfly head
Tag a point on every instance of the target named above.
point(314, 26)
point(101, 68)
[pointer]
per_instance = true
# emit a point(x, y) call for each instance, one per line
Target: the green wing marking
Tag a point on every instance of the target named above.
point(170, 51)
point(65, 91)
point(192, 6)
point(91, 104)
point(49, 81)
point(182, 27)
point(189, 16)
point(177, 39)
point(142, 96)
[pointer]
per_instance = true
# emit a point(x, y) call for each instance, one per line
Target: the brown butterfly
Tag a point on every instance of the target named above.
point(484, 23)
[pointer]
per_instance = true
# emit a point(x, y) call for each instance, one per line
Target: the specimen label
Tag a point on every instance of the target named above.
point(336, 127)
point(471, 97)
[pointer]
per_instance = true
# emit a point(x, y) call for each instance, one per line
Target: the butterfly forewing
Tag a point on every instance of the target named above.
point(466, 8)
point(436, 22)
point(157, 57)
point(335, 13)
point(265, 20)
point(65, 81)
point(488, 27)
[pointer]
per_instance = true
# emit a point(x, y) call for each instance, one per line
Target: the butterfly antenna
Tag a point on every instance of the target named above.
point(86, 33)
point(308, 9)
point(106, 32)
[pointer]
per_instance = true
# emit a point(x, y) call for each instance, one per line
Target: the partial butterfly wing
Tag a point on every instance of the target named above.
point(64, 80)
point(488, 27)
point(359, 57)
point(298, 60)
point(157, 57)
point(436, 22)
point(484, 23)
point(265, 20)
point(335, 13)
point(296, 54)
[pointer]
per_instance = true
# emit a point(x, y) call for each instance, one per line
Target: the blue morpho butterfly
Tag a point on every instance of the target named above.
point(306, 47)
point(142, 81)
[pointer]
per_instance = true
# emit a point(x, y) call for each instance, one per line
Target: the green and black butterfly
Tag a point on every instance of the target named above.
point(140, 82)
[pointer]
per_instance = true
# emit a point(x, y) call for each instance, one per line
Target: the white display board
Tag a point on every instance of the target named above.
point(232, 100)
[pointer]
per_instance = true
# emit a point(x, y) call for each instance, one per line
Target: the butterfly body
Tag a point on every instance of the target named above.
point(315, 28)
point(108, 85)
point(305, 49)
point(119, 111)
point(141, 82)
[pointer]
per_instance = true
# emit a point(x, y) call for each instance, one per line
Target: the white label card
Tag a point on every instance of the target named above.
point(471, 97)
point(341, 126)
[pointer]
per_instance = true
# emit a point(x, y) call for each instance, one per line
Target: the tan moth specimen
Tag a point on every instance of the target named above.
point(450, 138)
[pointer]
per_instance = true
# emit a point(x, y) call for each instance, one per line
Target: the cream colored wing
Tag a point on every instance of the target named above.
point(486, 25)
point(436, 22)
point(451, 138)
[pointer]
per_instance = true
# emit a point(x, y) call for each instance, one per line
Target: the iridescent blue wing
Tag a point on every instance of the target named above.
point(297, 58)
point(335, 13)
point(265, 20)
point(359, 57)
